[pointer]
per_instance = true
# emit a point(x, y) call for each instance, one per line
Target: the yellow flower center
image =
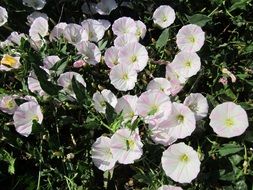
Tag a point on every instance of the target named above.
point(188, 63)
point(130, 144)
point(35, 118)
point(125, 76)
point(192, 39)
point(153, 110)
point(164, 19)
point(180, 118)
point(193, 107)
point(229, 122)
point(134, 58)
point(184, 158)
point(10, 104)
point(102, 103)
point(9, 61)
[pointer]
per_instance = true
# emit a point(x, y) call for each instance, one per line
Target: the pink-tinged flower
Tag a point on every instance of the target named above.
point(8, 104)
point(15, 37)
point(111, 56)
point(36, 45)
point(181, 122)
point(35, 4)
point(172, 75)
point(39, 29)
point(123, 77)
point(101, 154)
point(65, 80)
point(58, 31)
point(134, 54)
point(100, 99)
point(190, 38)
point(125, 39)
point(94, 29)
point(229, 120)
point(106, 24)
point(9, 62)
point(141, 29)
point(161, 136)
point(127, 105)
point(104, 7)
point(25, 115)
point(164, 16)
point(154, 106)
point(223, 80)
point(79, 63)
point(75, 33)
point(34, 84)
point(3, 16)
point(124, 25)
point(126, 146)
point(169, 187)
point(5, 44)
point(161, 84)
point(90, 51)
point(197, 104)
point(186, 64)
point(181, 163)
point(34, 15)
point(50, 61)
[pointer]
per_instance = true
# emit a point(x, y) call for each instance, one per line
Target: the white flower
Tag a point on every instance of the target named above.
point(3, 16)
point(123, 77)
point(124, 25)
point(74, 34)
point(198, 104)
point(164, 16)
point(100, 100)
point(15, 37)
point(161, 84)
point(111, 57)
point(181, 163)
point(101, 154)
point(186, 64)
point(50, 61)
point(126, 146)
point(9, 62)
point(58, 31)
point(190, 38)
point(24, 116)
point(39, 29)
point(141, 29)
point(106, 24)
point(35, 4)
point(229, 120)
point(104, 7)
point(34, 84)
point(34, 15)
point(90, 51)
point(134, 54)
point(169, 187)
point(125, 39)
point(8, 104)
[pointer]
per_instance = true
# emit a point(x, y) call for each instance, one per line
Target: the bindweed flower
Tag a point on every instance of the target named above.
point(127, 105)
point(105, 23)
point(111, 56)
point(141, 29)
point(15, 37)
point(90, 51)
point(65, 80)
point(169, 187)
point(35, 4)
point(100, 99)
point(3, 16)
point(39, 29)
point(25, 115)
point(230, 74)
point(134, 54)
point(9, 62)
point(186, 64)
point(229, 120)
point(58, 31)
point(8, 104)
point(181, 163)
point(190, 38)
point(125, 39)
point(74, 34)
point(124, 25)
point(101, 154)
point(126, 146)
point(161, 84)
point(123, 77)
point(104, 7)
point(181, 122)
point(197, 104)
point(164, 16)
point(172, 75)
point(34, 84)
point(154, 106)
point(34, 15)
point(50, 61)
point(79, 63)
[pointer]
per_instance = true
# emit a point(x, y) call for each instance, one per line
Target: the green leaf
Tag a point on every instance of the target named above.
point(102, 44)
point(228, 149)
point(110, 114)
point(79, 91)
point(163, 39)
point(198, 19)
point(60, 66)
point(239, 4)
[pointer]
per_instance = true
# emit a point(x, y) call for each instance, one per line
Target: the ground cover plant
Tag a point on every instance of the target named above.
point(152, 95)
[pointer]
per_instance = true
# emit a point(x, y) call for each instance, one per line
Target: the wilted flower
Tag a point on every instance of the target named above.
point(79, 63)
point(124, 25)
point(134, 54)
point(181, 163)
point(230, 74)
point(34, 15)
point(164, 16)
point(197, 104)
point(125, 39)
point(75, 33)
point(9, 62)
point(58, 31)
point(141, 29)
point(35, 4)
point(123, 77)
point(100, 99)
point(39, 29)
point(101, 154)
point(3, 16)
point(8, 104)
point(169, 187)
point(126, 146)
point(104, 7)
point(111, 56)
point(161, 84)
point(190, 38)
point(90, 51)
point(229, 120)
point(25, 115)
